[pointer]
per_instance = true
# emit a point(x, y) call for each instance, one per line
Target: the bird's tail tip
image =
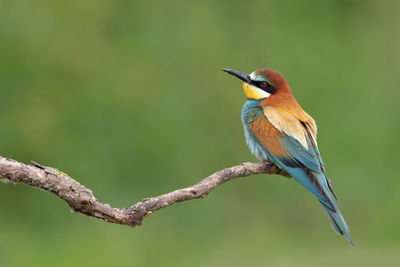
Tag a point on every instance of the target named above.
point(347, 235)
point(339, 224)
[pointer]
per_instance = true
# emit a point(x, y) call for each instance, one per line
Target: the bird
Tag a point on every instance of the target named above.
point(278, 130)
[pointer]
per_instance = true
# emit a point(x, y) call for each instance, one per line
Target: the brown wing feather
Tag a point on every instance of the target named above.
point(268, 135)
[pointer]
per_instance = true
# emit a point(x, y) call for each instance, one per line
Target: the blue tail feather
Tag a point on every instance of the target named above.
point(317, 184)
point(338, 223)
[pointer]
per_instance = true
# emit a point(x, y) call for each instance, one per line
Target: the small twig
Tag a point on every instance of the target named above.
point(81, 199)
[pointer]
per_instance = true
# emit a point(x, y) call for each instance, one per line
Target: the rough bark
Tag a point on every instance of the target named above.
point(81, 199)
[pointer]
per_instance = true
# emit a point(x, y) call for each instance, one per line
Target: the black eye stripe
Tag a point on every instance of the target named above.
point(269, 88)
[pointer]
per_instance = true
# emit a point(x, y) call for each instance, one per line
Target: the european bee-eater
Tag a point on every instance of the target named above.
point(277, 129)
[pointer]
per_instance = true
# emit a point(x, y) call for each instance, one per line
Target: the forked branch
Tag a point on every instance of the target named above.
point(81, 199)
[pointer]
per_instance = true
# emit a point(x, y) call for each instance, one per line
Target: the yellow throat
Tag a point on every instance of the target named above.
point(253, 92)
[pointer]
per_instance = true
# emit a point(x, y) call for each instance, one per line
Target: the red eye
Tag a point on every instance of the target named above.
point(263, 84)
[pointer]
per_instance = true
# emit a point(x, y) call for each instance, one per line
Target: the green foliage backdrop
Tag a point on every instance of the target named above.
point(128, 98)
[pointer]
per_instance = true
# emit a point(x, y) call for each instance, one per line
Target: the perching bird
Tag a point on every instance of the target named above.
point(277, 129)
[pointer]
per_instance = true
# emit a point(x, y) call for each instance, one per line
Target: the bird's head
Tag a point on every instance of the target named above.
point(261, 84)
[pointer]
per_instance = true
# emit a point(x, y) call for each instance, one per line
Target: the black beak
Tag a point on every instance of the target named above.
point(243, 76)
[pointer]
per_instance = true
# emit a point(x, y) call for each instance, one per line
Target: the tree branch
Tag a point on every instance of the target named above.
point(81, 199)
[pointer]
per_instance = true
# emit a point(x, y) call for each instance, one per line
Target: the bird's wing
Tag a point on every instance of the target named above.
point(291, 144)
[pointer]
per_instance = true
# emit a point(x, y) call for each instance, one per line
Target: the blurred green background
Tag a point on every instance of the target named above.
point(128, 98)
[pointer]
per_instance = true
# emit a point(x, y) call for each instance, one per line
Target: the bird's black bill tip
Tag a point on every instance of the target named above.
point(243, 76)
